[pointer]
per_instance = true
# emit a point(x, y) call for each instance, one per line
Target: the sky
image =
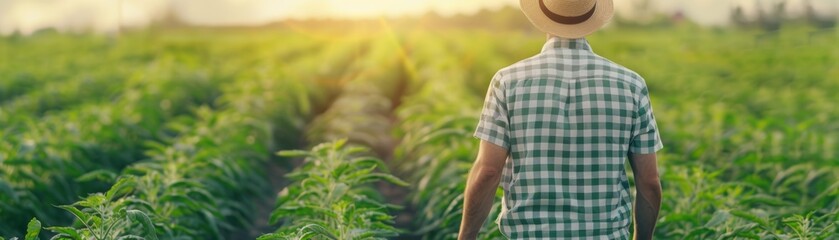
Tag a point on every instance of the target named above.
point(27, 16)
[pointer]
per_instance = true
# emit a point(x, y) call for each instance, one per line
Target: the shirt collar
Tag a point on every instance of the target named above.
point(559, 43)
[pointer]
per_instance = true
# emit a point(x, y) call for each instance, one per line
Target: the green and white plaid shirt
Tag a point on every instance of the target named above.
point(569, 118)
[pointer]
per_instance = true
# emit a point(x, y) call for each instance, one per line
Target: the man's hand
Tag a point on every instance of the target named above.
point(480, 188)
point(648, 197)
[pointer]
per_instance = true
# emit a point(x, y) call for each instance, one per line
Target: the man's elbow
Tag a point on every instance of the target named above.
point(487, 174)
point(650, 187)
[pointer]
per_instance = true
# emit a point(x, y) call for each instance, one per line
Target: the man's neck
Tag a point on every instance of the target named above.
point(549, 36)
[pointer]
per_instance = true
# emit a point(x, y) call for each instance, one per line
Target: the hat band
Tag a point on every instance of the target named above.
point(566, 19)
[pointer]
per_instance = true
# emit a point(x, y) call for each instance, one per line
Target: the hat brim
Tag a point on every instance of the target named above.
point(602, 14)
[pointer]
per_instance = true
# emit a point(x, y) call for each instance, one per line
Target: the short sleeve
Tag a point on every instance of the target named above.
point(645, 137)
point(493, 125)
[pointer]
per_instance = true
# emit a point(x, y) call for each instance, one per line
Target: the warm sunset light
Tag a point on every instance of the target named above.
point(27, 16)
point(419, 119)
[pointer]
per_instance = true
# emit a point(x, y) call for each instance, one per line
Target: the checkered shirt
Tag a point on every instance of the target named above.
point(569, 118)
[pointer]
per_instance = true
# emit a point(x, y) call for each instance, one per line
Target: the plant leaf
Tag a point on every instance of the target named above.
point(320, 230)
point(384, 177)
point(750, 217)
point(271, 236)
point(70, 232)
point(293, 153)
point(719, 217)
point(122, 186)
point(143, 219)
point(83, 217)
point(33, 229)
point(126, 237)
point(103, 175)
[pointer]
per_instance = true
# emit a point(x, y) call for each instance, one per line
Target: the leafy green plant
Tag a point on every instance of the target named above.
point(189, 160)
point(189, 187)
point(33, 229)
point(331, 197)
point(436, 147)
point(103, 217)
point(183, 127)
point(810, 227)
point(52, 143)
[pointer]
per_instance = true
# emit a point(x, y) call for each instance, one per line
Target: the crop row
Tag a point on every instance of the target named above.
point(52, 159)
point(436, 148)
point(198, 178)
point(750, 138)
point(332, 198)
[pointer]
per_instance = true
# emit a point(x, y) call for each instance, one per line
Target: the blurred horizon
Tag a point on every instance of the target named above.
point(107, 16)
point(176, 109)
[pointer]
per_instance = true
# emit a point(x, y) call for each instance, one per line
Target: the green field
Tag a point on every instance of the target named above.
point(190, 133)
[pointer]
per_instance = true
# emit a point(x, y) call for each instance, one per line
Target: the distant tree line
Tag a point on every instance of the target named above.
point(776, 15)
point(769, 18)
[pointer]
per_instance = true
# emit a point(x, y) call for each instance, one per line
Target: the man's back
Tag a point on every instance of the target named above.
point(557, 129)
point(569, 119)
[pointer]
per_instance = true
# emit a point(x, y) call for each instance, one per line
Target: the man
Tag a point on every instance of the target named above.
point(556, 131)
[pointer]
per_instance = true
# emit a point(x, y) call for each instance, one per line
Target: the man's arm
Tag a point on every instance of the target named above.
point(648, 197)
point(480, 188)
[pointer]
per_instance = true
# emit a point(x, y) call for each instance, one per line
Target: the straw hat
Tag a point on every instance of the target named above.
point(568, 18)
